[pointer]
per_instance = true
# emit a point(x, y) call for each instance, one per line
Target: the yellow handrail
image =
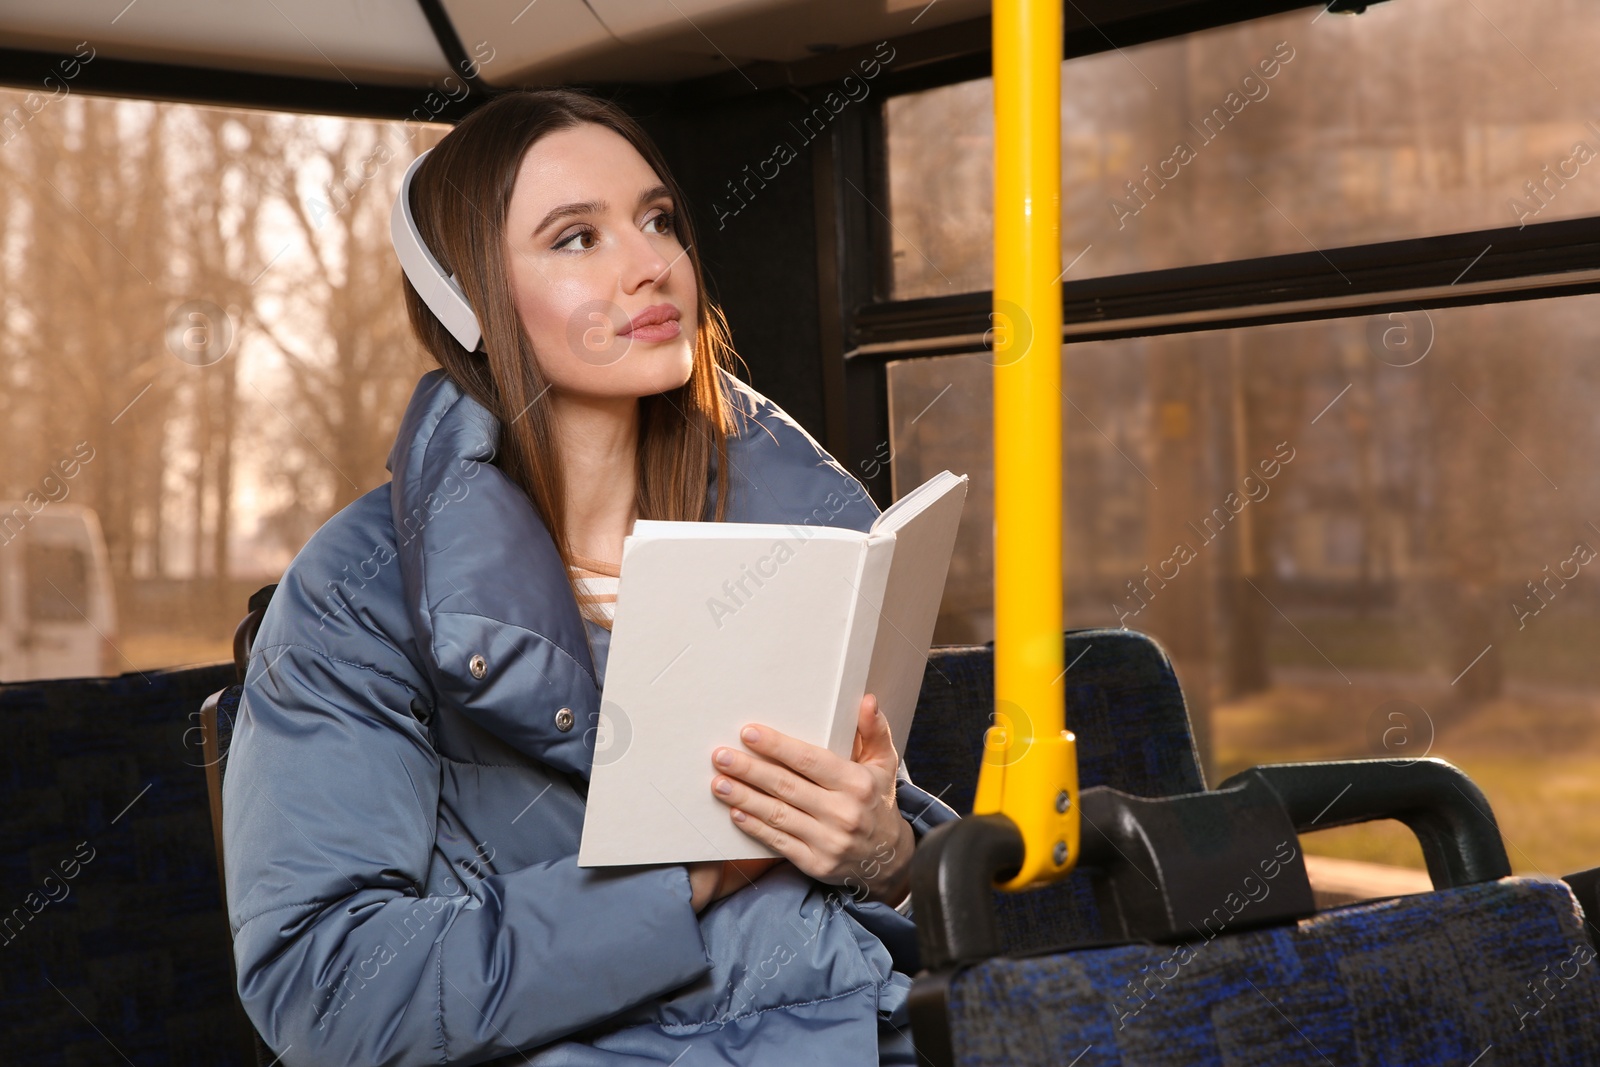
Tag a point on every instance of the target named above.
point(1030, 767)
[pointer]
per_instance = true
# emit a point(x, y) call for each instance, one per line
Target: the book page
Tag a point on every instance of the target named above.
point(868, 589)
point(925, 537)
point(918, 500)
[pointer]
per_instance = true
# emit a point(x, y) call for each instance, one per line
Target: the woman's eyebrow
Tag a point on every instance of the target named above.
point(596, 207)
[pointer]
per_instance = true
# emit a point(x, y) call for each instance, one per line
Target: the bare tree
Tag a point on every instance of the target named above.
point(84, 356)
point(339, 323)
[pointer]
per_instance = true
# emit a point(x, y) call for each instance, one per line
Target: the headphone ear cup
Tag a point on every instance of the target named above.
point(477, 345)
point(439, 291)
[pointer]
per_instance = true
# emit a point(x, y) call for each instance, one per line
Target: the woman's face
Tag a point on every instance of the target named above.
point(605, 292)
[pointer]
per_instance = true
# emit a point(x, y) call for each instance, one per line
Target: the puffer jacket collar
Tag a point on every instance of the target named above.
point(484, 588)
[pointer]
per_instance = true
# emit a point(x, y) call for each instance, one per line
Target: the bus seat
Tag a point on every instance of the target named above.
point(1127, 711)
point(217, 717)
point(220, 709)
point(1222, 961)
point(115, 921)
point(1585, 886)
point(1436, 978)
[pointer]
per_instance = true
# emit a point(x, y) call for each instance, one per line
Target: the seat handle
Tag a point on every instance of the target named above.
point(244, 635)
point(1151, 856)
point(1447, 812)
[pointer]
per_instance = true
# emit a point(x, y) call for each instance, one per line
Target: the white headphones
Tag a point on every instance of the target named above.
point(440, 291)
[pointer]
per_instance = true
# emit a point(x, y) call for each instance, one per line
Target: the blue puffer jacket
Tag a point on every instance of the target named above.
point(401, 837)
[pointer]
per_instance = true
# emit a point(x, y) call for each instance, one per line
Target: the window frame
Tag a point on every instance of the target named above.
point(1531, 262)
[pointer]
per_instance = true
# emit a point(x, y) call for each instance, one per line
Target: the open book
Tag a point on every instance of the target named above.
point(722, 624)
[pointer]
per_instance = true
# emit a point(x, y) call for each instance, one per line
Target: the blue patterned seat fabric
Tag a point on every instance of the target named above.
point(1492, 974)
point(128, 961)
point(1127, 711)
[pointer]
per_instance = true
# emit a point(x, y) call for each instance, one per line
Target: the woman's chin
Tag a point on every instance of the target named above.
point(660, 372)
point(644, 377)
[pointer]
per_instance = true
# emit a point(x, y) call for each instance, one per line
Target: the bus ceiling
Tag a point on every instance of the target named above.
point(382, 60)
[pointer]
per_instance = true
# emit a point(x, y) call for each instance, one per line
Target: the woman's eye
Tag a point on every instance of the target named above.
point(666, 223)
point(584, 239)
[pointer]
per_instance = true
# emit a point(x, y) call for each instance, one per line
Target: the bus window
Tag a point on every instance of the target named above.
point(218, 368)
point(1367, 536)
point(1281, 134)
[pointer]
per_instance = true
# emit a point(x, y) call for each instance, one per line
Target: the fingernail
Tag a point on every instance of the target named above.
point(751, 734)
point(724, 757)
point(738, 816)
point(724, 786)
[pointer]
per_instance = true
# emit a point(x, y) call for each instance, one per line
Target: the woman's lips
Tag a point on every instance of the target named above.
point(664, 331)
point(656, 323)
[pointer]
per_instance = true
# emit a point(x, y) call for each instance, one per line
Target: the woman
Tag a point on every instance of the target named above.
point(406, 785)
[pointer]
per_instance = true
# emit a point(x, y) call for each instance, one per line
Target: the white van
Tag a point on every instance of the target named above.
point(58, 615)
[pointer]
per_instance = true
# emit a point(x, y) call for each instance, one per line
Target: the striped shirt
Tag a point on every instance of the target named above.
point(596, 581)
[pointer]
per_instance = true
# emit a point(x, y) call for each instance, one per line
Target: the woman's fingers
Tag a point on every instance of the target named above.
point(736, 874)
point(820, 811)
point(771, 778)
point(753, 869)
point(873, 743)
point(782, 827)
point(812, 762)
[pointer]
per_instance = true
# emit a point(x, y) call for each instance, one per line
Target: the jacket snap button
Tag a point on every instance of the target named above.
point(477, 666)
point(564, 720)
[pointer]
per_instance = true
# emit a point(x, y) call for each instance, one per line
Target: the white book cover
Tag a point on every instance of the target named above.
point(722, 624)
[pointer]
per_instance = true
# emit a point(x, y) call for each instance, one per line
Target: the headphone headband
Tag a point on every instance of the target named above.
point(440, 291)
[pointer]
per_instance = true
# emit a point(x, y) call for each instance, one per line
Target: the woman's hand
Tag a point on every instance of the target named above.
point(834, 819)
point(712, 880)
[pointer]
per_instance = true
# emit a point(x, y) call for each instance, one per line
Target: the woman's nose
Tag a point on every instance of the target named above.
point(647, 262)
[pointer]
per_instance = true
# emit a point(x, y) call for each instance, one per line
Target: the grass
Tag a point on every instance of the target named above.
point(1537, 760)
point(1558, 650)
point(148, 651)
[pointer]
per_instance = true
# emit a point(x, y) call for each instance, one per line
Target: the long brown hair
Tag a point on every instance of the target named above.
point(459, 197)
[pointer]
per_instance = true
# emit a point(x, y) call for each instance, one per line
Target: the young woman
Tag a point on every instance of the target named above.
point(405, 790)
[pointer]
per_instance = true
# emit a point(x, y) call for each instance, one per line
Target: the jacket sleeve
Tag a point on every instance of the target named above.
point(892, 924)
point(920, 808)
point(330, 803)
point(923, 811)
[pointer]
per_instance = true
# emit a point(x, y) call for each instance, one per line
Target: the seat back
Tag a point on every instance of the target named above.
point(1223, 959)
point(1125, 707)
point(1495, 973)
point(217, 717)
point(114, 930)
